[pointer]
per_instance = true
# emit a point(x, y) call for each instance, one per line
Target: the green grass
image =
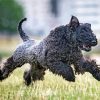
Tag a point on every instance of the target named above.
point(52, 88)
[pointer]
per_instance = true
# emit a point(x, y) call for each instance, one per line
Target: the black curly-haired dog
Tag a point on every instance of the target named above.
point(57, 52)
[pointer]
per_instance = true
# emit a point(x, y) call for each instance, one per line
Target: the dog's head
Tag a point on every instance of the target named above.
point(84, 35)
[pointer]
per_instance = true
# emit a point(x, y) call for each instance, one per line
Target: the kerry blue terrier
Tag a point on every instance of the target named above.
point(57, 52)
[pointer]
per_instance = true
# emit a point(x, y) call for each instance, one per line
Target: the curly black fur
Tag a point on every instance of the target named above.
point(57, 52)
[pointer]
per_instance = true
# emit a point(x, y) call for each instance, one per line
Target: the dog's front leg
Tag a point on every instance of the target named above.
point(78, 65)
point(91, 67)
point(8, 67)
point(88, 65)
point(60, 68)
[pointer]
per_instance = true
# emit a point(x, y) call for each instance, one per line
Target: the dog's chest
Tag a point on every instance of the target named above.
point(75, 54)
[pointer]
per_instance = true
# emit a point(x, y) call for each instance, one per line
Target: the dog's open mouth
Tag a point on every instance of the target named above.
point(86, 47)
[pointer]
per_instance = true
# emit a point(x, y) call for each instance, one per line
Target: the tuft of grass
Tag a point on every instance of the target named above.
point(53, 87)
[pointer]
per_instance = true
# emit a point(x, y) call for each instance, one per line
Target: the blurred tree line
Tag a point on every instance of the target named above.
point(10, 14)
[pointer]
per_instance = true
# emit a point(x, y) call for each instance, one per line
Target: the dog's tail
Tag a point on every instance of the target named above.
point(21, 32)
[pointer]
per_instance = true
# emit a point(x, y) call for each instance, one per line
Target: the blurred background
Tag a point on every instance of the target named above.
point(44, 15)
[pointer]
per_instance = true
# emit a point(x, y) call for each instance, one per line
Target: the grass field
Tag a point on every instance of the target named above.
point(52, 88)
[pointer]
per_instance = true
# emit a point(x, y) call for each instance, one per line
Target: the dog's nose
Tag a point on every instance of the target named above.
point(94, 42)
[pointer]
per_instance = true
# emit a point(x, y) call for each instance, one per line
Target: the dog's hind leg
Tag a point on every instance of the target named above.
point(36, 72)
point(27, 77)
point(8, 67)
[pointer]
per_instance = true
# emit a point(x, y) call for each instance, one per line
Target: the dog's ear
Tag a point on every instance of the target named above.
point(74, 23)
